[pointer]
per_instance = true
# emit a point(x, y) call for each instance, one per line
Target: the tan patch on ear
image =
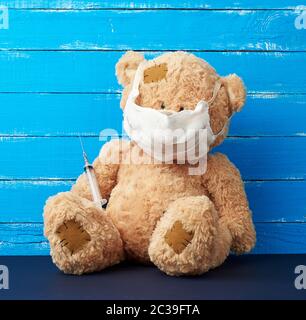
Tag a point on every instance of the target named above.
point(178, 238)
point(73, 236)
point(155, 73)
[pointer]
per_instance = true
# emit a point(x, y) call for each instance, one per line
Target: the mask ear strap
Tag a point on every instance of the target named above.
point(136, 81)
point(215, 92)
point(224, 127)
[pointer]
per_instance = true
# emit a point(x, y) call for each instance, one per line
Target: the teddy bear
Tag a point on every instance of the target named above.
point(157, 212)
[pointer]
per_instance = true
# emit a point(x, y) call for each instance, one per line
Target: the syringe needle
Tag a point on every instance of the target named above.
point(81, 142)
point(83, 151)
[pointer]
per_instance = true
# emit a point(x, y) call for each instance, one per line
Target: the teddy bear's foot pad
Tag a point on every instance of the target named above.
point(183, 242)
point(73, 236)
point(178, 238)
point(82, 237)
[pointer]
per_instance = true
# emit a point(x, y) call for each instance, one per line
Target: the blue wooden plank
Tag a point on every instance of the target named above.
point(95, 71)
point(271, 115)
point(153, 29)
point(23, 239)
point(149, 4)
point(59, 114)
point(27, 239)
point(280, 238)
point(23, 201)
point(267, 158)
point(63, 115)
point(270, 201)
point(257, 158)
point(45, 157)
point(277, 201)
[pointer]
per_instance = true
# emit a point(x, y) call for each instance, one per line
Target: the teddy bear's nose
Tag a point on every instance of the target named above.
point(162, 106)
point(181, 109)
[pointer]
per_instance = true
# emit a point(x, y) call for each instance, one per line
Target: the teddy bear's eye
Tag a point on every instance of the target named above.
point(181, 108)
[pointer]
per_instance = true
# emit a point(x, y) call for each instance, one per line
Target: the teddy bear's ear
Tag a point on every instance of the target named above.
point(236, 91)
point(127, 66)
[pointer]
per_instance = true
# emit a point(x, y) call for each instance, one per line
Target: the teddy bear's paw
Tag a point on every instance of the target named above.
point(82, 237)
point(183, 242)
point(178, 238)
point(245, 242)
point(242, 232)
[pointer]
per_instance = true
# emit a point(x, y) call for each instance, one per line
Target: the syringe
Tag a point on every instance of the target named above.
point(92, 181)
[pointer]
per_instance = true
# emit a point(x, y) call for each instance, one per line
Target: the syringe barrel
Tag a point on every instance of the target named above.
point(93, 185)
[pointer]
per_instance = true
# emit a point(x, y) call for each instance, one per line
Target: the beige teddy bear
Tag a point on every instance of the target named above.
point(158, 212)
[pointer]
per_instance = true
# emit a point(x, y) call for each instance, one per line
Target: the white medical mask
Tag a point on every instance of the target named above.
point(168, 136)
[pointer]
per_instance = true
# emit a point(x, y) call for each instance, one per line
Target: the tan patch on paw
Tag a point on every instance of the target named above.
point(72, 235)
point(178, 238)
point(155, 73)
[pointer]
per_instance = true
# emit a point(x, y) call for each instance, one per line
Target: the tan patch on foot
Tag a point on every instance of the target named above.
point(155, 73)
point(72, 235)
point(178, 238)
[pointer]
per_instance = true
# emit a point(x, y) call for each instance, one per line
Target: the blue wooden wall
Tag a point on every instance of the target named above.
point(57, 63)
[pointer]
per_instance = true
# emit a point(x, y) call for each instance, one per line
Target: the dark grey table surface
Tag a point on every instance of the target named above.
point(243, 277)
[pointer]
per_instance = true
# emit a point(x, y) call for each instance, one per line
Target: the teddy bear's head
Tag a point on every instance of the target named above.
point(176, 81)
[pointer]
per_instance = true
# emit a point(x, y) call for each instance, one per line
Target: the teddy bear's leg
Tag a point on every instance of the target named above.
point(82, 237)
point(190, 238)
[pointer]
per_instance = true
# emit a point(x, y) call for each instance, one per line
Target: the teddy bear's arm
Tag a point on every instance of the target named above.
point(226, 187)
point(106, 167)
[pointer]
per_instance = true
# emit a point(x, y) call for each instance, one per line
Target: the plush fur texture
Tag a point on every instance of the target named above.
point(158, 213)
